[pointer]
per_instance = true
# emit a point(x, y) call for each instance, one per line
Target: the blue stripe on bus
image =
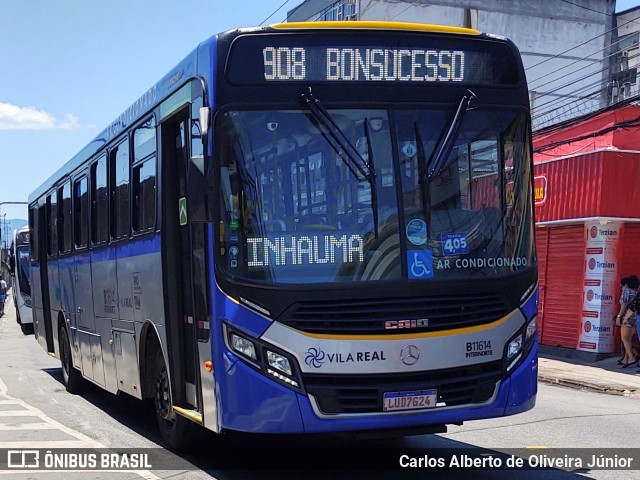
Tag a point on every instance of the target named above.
point(132, 248)
point(104, 254)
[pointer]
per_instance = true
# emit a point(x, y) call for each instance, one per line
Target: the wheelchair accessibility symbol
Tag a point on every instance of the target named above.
point(420, 263)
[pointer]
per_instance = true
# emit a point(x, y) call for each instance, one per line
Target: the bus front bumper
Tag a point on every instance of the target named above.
point(253, 403)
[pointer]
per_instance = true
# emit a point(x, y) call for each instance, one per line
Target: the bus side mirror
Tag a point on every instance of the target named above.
point(205, 117)
point(12, 265)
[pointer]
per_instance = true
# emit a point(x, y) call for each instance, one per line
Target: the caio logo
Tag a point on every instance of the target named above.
point(590, 295)
point(594, 231)
point(587, 327)
point(592, 263)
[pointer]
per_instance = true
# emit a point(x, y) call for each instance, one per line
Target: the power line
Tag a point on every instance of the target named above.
point(412, 4)
point(575, 120)
point(573, 80)
point(276, 11)
point(569, 64)
point(567, 106)
point(586, 8)
point(557, 104)
point(635, 20)
point(574, 104)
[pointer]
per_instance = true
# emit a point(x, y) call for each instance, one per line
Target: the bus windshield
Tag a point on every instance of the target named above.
point(296, 209)
point(22, 269)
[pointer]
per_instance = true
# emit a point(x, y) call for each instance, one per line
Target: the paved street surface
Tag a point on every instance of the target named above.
point(24, 426)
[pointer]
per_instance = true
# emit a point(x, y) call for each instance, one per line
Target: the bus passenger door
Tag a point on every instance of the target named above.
point(177, 234)
point(43, 327)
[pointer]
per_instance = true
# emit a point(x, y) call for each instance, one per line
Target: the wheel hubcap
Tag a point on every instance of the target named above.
point(163, 396)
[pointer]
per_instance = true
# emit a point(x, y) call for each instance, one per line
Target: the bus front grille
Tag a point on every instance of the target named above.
point(349, 394)
point(395, 315)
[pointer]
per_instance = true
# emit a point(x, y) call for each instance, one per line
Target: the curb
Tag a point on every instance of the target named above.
point(625, 392)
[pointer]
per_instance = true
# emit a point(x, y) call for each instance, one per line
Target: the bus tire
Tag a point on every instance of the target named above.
point(27, 328)
point(176, 431)
point(71, 377)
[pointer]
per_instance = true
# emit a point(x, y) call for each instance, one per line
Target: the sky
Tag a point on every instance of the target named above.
point(68, 68)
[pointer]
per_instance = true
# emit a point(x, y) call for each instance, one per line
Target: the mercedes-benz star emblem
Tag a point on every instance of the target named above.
point(409, 354)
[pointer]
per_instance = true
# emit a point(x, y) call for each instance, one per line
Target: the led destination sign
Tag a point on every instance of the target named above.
point(373, 58)
point(305, 250)
point(363, 64)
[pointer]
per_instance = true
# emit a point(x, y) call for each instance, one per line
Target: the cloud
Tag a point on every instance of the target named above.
point(13, 117)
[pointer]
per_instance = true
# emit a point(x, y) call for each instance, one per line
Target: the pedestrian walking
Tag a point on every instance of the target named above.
point(3, 294)
point(627, 318)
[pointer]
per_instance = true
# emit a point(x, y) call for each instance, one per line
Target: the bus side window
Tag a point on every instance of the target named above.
point(52, 224)
point(143, 182)
point(34, 232)
point(64, 218)
point(119, 181)
point(80, 212)
point(144, 195)
point(99, 202)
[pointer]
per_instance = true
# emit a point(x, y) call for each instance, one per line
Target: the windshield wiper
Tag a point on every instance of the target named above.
point(338, 140)
point(372, 178)
point(438, 161)
point(360, 168)
point(422, 175)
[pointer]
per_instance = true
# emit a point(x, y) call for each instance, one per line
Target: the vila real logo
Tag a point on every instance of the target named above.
point(316, 357)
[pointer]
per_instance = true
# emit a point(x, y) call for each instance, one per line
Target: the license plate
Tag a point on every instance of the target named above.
point(420, 399)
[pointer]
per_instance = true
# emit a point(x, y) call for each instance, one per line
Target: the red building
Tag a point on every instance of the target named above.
point(587, 184)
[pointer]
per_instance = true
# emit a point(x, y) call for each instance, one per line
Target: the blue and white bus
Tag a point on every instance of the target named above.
point(20, 283)
point(303, 228)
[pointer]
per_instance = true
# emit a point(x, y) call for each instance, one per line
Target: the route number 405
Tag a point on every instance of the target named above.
point(455, 243)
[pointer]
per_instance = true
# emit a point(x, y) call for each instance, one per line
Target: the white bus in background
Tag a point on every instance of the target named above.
point(20, 284)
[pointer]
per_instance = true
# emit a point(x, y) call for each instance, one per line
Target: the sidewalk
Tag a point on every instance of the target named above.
point(604, 376)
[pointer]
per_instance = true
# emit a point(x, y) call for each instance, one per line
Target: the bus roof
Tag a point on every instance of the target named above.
point(375, 25)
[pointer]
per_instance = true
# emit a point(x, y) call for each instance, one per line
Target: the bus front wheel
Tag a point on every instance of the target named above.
point(176, 431)
point(70, 376)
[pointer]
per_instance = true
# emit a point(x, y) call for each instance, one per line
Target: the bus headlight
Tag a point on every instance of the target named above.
point(514, 352)
point(243, 346)
point(264, 357)
point(279, 362)
point(520, 345)
point(514, 347)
